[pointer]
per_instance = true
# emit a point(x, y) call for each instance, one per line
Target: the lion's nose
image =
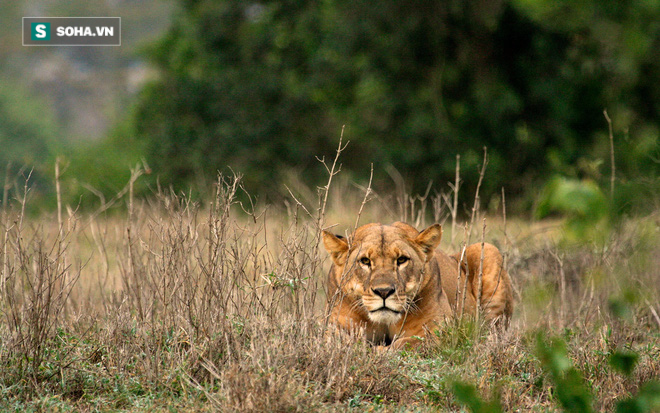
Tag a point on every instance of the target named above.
point(383, 292)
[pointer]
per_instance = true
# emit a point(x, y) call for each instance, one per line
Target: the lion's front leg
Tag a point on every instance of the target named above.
point(404, 343)
point(413, 332)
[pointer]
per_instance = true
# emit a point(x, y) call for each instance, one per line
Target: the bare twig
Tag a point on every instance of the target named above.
point(367, 192)
point(505, 254)
point(26, 190)
point(195, 384)
point(421, 213)
point(401, 192)
point(5, 190)
point(655, 313)
point(455, 187)
point(460, 293)
point(475, 207)
point(612, 177)
point(5, 262)
point(332, 171)
point(323, 200)
point(135, 174)
point(562, 286)
point(506, 238)
point(58, 192)
point(467, 266)
point(481, 272)
point(97, 193)
point(298, 203)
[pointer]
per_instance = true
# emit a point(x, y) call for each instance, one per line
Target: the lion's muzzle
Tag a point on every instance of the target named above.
point(384, 292)
point(383, 304)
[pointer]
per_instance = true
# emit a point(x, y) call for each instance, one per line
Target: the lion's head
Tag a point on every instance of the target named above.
point(382, 268)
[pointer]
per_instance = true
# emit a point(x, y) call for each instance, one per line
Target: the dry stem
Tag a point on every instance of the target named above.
point(481, 272)
point(367, 192)
point(612, 177)
point(455, 187)
point(58, 192)
point(475, 207)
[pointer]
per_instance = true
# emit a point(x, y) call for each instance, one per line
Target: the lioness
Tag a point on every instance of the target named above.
point(391, 281)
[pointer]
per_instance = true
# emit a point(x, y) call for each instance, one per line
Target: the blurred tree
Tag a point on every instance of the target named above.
point(265, 86)
point(27, 139)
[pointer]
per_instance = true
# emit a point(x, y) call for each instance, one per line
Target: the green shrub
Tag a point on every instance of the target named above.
point(583, 204)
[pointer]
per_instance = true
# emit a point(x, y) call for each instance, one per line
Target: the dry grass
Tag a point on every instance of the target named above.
point(221, 306)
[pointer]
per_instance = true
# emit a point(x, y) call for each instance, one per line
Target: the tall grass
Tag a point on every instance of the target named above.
point(221, 306)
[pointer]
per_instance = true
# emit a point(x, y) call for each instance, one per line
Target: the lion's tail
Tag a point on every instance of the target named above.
point(496, 290)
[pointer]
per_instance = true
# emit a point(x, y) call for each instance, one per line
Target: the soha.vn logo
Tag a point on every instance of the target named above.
point(84, 31)
point(72, 31)
point(40, 31)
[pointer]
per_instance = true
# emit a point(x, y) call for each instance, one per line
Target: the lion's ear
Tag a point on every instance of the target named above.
point(429, 239)
point(336, 247)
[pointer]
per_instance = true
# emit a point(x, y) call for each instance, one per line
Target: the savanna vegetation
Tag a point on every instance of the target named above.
point(178, 305)
point(133, 277)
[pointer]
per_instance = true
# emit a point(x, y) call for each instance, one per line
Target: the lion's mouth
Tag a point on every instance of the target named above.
point(383, 308)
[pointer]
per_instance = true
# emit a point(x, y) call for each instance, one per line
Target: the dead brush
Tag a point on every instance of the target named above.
point(219, 305)
point(290, 365)
point(37, 279)
point(201, 283)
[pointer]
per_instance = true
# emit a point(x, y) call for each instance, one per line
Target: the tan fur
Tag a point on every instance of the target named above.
point(391, 281)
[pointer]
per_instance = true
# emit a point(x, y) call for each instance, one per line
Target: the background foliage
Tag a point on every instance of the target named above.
point(265, 86)
point(27, 138)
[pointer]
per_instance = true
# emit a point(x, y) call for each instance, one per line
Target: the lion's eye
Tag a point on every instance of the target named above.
point(401, 260)
point(365, 261)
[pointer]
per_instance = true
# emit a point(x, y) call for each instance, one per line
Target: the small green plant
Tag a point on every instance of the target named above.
point(646, 400)
point(648, 397)
point(621, 306)
point(468, 395)
point(624, 361)
point(583, 204)
point(570, 389)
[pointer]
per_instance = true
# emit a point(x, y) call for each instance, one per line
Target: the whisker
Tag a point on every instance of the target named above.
point(412, 304)
point(357, 304)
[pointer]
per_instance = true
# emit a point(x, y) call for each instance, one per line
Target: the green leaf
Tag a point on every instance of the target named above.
point(647, 400)
point(467, 395)
point(570, 388)
point(624, 361)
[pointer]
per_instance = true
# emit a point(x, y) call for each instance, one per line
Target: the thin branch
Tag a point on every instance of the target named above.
point(300, 204)
point(612, 177)
point(655, 313)
point(475, 207)
point(5, 190)
point(367, 192)
point(562, 286)
point(332, 171)
point(58, 193)
point(467, 266)
point(455, 187)
point(481, 272)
